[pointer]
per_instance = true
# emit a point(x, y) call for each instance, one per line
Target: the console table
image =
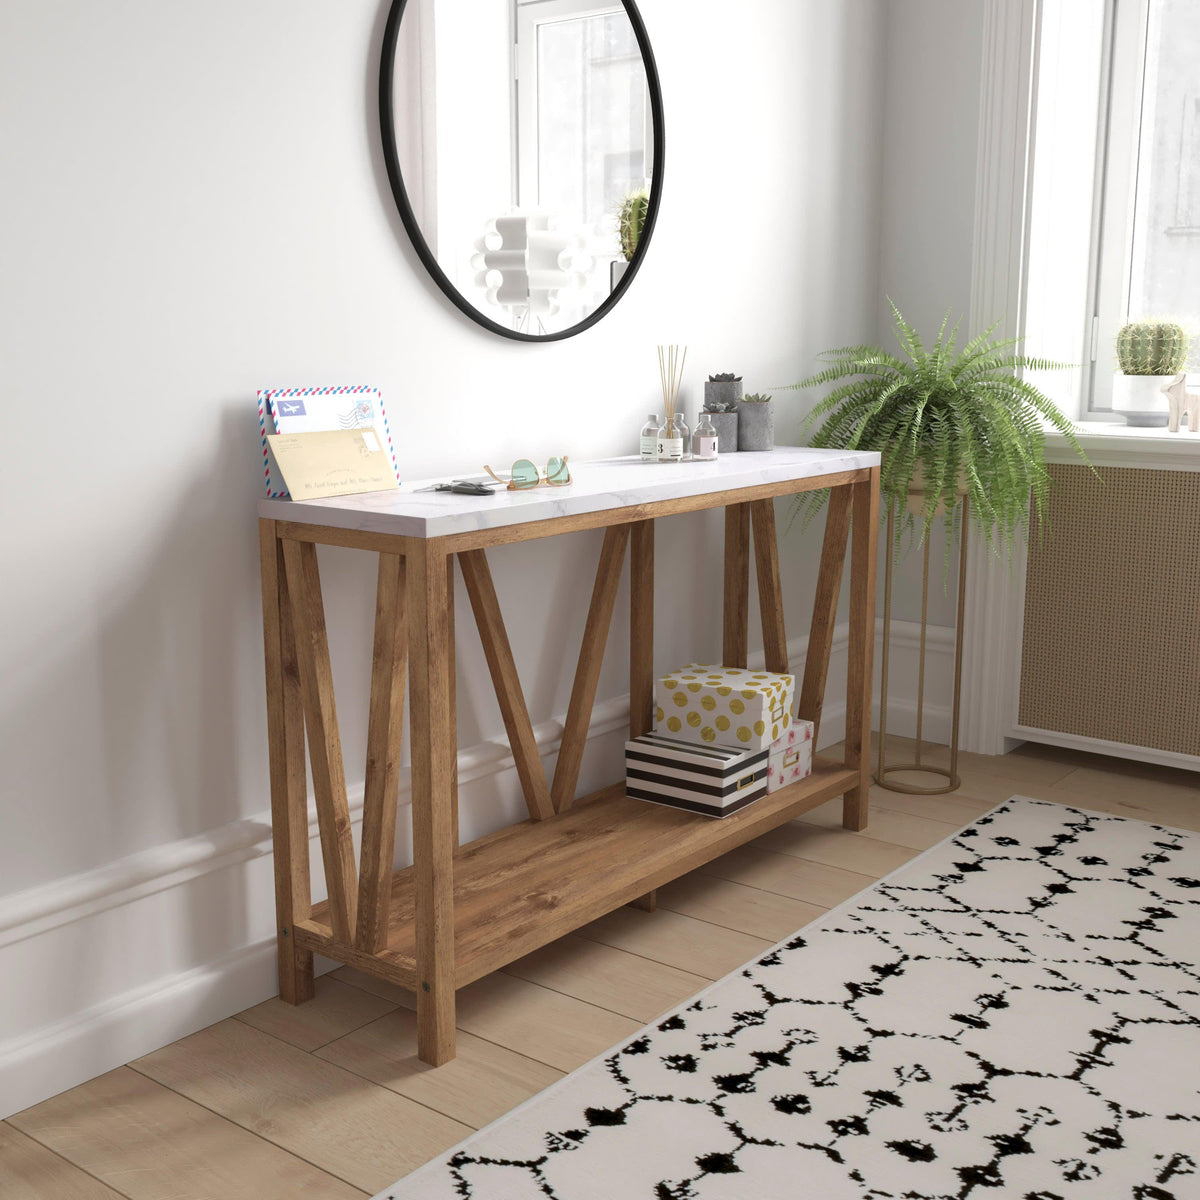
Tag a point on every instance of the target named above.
point(462, 911)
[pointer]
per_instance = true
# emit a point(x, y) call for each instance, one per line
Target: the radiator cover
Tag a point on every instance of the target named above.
point(1111, 645)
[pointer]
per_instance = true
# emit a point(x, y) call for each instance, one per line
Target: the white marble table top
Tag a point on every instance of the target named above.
point(595, 486)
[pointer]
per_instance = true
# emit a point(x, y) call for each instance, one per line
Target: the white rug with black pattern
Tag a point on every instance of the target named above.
point(1015, 1013)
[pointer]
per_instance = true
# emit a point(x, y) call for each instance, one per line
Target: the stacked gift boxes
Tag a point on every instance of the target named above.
point(724, 736)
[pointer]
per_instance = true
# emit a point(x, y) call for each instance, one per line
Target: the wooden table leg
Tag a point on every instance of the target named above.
point(864, 549)
point(433, 767)
point(736, 645)
point(289, 790)
point(641, 648)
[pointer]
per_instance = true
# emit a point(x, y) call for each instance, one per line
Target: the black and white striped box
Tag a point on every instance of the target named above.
point(714, 780)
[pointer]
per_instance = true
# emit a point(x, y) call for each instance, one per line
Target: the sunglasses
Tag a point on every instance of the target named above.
point(526, 475)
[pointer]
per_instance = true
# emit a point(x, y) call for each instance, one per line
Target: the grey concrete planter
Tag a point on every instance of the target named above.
point(725, 392)
point(726, 425)
point(616, 272)
point(756, 426)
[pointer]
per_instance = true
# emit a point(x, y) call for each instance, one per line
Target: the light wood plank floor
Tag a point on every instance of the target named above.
point(328, 1100)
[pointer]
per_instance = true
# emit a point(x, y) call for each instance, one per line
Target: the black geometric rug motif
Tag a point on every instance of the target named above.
point(1015, 1013)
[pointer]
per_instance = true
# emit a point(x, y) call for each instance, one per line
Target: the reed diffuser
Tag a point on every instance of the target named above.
point(671, 361)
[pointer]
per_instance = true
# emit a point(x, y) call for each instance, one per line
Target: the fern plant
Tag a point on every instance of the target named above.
point(944, 422)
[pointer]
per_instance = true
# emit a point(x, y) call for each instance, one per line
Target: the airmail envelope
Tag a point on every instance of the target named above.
point(339, 462)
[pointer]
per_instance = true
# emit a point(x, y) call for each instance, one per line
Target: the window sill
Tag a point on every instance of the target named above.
point(1113, 444)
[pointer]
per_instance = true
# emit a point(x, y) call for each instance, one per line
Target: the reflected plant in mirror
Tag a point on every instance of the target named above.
point(524, 147)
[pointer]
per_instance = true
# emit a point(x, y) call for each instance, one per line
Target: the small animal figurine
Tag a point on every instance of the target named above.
point(1183, 400)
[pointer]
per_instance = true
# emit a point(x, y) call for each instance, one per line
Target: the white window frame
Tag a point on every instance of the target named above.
point(530, 15)
point(1122, 77)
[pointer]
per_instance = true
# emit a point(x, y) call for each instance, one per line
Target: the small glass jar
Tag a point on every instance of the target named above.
point(670, 442)
point(704, 439)
point(684, 434)
point(649, 442)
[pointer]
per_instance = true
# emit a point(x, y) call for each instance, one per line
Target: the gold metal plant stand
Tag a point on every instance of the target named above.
point(884, 772)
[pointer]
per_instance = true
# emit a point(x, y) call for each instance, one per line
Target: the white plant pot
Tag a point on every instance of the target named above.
point(1140, 393)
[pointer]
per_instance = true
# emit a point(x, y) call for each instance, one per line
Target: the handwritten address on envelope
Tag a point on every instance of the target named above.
point(339, 462)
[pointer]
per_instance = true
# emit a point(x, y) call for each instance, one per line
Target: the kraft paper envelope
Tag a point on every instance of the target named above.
point(340, 462)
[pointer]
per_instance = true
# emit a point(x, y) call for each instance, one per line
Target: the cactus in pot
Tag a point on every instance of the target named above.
point(756, 422)
point(631, 220)
point(721, 395)
point(1150, 354)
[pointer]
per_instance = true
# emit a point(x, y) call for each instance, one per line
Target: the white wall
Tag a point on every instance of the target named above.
point(195, 206)
point(932, 56)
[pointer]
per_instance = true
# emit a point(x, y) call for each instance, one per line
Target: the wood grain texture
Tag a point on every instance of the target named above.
point(607, 977)
point(433, 757)
point(728, 905)
point(385, 727)
point(825, 605)
point(496, 648)
point(340, 1122)
point(864, 551)
point(679, 941)
point(770, 589)
point(336, 1010)
point(452, 696)
point(522, 886)
point(289, 785)
point(547, 1026)
point(736, 614)
point(28, 1171)
point(324, 742)
point(148, 1143)
point(801, 879)
point(483, 1082)
point(587, 672)
point(641, 628)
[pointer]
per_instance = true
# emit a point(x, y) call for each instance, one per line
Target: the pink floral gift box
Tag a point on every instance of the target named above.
point(790, 759)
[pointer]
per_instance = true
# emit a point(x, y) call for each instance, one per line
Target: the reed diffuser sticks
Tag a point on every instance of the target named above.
point(670, 372)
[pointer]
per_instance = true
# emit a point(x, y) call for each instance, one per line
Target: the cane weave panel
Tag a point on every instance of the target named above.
point(1111, 647)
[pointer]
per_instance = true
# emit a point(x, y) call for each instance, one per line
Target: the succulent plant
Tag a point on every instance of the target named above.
point(1152, 348)
point(631, 220)
point(719, 406)
point(756, 398)
point(728, 377)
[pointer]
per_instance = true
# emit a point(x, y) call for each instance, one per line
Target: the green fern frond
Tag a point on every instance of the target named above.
point(944, 420)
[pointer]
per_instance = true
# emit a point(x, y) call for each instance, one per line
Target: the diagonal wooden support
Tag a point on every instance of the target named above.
point(289, 788)
point(770, 590)
point(825, 603)
point(736, 643)
point(385, 727)
point(587, 674)
point(324, 744)
point(486, 607)
point(641, 628)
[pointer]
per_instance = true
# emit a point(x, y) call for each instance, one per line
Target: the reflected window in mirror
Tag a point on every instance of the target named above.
point(514, 130)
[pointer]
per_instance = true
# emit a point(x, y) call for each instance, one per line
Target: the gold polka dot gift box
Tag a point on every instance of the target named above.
point(724, 706)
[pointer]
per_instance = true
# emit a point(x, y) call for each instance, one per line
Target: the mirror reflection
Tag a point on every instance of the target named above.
point(524, 137)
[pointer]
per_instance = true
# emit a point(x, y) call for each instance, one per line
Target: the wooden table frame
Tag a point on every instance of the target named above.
point(461, 912)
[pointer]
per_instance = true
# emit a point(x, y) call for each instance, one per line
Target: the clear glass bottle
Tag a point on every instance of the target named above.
point(704, 439)
point(649, 443)
point(670, 442)
point(684, 434)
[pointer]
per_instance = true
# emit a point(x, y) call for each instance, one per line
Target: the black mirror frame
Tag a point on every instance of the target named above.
point(387, 130)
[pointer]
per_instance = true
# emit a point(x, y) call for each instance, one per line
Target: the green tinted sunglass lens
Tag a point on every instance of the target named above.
point(556, 471)
point(524, 473)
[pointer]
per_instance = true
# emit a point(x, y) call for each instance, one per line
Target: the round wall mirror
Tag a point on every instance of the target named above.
point(524, 145)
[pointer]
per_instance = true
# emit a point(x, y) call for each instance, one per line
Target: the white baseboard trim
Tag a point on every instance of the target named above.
point(1073, 741)
point(39, 1062)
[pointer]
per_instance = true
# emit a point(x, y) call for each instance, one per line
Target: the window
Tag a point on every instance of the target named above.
point(1147, 245)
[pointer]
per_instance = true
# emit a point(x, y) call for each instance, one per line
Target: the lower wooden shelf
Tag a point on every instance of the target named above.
point(524, 886)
